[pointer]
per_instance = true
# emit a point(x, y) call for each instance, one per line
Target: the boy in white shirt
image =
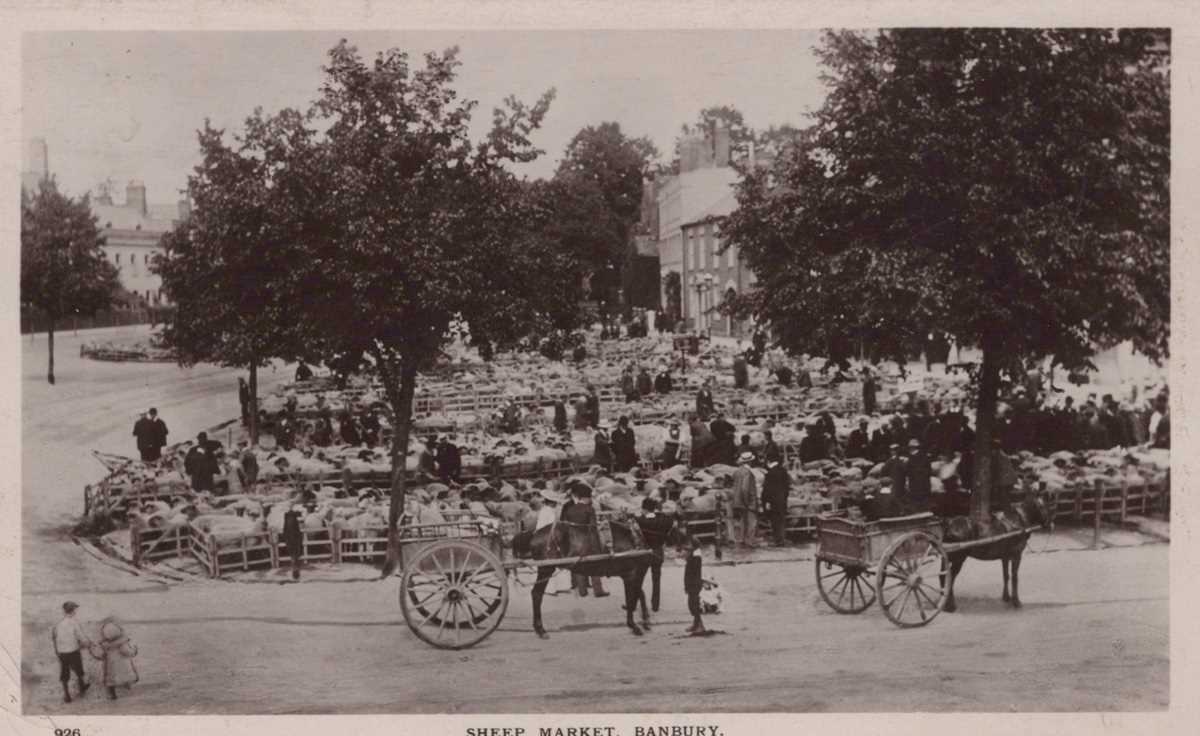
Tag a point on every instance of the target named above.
point(69, 640)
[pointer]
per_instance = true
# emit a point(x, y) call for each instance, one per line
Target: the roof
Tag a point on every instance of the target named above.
point(716, 210)
point(160, 218)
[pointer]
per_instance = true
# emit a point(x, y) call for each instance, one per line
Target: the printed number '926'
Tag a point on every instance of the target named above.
point(66, 732)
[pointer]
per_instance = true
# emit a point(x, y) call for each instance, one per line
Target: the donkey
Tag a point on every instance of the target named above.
point(572, 539)
point(1034, 510)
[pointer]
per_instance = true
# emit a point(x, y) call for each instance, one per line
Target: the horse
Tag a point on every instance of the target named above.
point(580, 539)
point(1034, 510)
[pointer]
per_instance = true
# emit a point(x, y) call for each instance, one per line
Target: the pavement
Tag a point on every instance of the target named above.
point(1093, 633)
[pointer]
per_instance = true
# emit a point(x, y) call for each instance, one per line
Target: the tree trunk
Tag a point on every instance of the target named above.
point(985, 429)
point(252, 407)
point(401, 399)
point(50, 343)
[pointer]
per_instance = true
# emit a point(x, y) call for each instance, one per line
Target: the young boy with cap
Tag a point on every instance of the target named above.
point(69, 640)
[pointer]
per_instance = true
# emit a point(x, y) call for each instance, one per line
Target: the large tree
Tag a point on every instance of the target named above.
point(598, 187)
point(1006, 187)
point(221, 265)
point(63, 267)
point(409, 235)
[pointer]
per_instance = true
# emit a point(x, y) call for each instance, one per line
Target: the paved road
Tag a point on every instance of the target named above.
point(1093, 633)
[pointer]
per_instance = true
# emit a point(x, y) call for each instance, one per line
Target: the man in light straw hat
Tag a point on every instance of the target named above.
point(745, 501)
point(69, 640)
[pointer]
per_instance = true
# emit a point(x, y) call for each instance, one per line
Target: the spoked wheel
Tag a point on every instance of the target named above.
point(846, 588)
point(913, 579)
point(453, 594)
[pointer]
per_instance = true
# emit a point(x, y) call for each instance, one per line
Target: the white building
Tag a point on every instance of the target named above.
point(132, 229)
point(705, 179)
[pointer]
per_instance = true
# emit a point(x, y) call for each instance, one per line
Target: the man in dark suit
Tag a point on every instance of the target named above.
point(578, 510)
point(775, 498)
point(857, 446)
point(723, 432)
point(200, 464)
point(815, 445)
point(662, 382)
point(918, 471)
point(656, 528)
point(449, 461)
point(143, 431)
point(624, 446)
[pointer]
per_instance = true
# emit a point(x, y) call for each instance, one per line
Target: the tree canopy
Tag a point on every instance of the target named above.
point(221, 266)
point(64, 270)
point(399, 234)
point(597, 191)
point(1007, 187)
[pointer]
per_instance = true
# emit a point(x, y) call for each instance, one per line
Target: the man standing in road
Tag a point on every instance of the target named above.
point(655, 529)
point(774, 499)
point(151, 434)
point(69, 640)
point(143, 430)
point(158, 434)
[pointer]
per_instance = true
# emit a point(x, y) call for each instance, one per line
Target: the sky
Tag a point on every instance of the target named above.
point(127, 105)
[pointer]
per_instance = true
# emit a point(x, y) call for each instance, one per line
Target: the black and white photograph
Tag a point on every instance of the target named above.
point(514, 372)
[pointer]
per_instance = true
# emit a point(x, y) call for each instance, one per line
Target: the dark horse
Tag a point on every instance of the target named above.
point(1035, 510)
point(579, 539)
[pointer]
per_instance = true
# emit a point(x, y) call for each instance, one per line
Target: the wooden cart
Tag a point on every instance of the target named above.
point(454, 592)
point(901, 561)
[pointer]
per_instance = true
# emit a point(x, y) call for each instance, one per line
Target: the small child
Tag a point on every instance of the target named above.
point(116, 651)
point(693, 583)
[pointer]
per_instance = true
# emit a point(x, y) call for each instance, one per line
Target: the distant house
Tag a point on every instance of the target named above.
point(132, 229)
point(709, 277)
point(705, 179)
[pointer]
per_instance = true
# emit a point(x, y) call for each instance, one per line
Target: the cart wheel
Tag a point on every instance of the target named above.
point(454, 594)
point(847, 589)
point(911, 582)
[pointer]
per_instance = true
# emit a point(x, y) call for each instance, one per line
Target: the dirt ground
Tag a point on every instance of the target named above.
point(1093, 634)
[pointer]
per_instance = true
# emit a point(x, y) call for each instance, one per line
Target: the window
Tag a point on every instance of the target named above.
point(146, 259)
point(118, 256)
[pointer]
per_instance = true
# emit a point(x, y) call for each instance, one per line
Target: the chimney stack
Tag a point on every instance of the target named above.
point(185, 208)
point(39, 158)
point(721, 145)
point(37, 165)
point(135, 196)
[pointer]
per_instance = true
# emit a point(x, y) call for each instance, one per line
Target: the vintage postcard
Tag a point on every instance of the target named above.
point(597, 370)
